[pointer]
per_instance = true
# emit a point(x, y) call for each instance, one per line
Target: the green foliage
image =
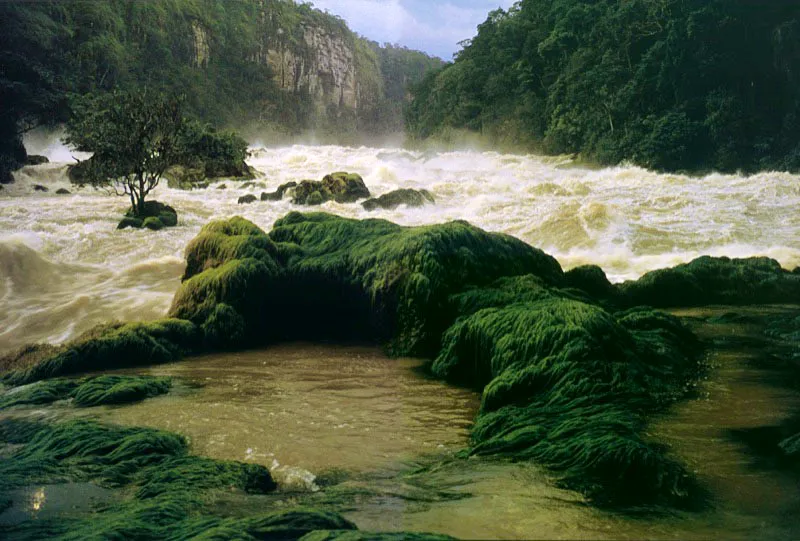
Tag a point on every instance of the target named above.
point(133, 137)
point(43, 392)
point(111, 346)
point(568, 385)
point(636, 81)
point(218, 154)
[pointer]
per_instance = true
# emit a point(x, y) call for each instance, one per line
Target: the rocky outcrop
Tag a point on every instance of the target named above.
point(34, 159)
point(340, 187)
point(247, 199)
point(404, 196)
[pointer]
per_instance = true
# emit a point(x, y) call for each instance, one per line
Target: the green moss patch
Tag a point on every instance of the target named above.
point(108, 347)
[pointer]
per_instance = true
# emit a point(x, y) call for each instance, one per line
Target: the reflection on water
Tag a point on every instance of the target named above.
point(48, 501)
point(308, 406)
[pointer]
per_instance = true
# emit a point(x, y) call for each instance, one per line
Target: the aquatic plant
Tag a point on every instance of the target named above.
point(109, 346)
point(92, 391)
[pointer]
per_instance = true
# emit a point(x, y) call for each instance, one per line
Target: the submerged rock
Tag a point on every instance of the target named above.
point(406, 196)
point(40, 188)
point(247, 199)
point(63, 191)
point(92, 391)
point(34, 159)
point(277, 195)
point(340, 187)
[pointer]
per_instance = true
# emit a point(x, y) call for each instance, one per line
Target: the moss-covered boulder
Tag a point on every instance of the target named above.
point(715, 280)
point(63, 191)
point(180, 177)
point(155, 216)
point(278, 194)
point(318, 275)
point(340, 187)
point(246, 199)
point(405, 196)
point(592, 280)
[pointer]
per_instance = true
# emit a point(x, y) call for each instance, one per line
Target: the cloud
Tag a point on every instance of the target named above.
point(433, 27)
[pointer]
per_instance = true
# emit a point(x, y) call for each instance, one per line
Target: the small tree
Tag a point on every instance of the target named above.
point(133, 137)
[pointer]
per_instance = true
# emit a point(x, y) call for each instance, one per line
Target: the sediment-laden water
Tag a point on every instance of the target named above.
point(64, 267)
point(307, 410)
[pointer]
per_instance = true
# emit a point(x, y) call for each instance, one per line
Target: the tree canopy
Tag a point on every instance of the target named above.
point(667, 84)
point(134, 138)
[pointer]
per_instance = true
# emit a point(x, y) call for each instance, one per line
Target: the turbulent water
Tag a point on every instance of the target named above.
point(309, 408)
point(64, 267)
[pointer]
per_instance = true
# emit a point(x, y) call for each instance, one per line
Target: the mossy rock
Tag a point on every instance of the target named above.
point(278, 194)
point(350, 535)
point(340, 187)
point(715, 280)
point(405, 196)
point(592, 280)
point(246, 199)
point(153, 223)
point(180, 177)
point(128, 221)
point(63, 191)
point(109, 346)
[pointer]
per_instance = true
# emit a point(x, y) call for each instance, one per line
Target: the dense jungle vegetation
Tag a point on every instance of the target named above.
point(666, 84)
point(212, 51)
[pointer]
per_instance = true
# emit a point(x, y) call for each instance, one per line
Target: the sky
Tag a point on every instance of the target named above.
point(433, 26)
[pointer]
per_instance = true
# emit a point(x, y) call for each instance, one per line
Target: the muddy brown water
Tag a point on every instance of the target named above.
point(308, 409)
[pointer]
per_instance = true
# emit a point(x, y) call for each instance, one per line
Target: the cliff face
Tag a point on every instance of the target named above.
point(322, 67)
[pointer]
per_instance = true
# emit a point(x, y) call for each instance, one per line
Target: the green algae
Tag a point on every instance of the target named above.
point(569, 385)
point(87, 392)
point(103, 390)
point(715, 280)
point(347, 535)
point(110, 346)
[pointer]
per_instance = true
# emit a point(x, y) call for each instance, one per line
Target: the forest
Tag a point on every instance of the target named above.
point(220, 55)
point(675, 85)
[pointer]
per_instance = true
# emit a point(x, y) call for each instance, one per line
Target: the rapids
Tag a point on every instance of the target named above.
point(64, 267)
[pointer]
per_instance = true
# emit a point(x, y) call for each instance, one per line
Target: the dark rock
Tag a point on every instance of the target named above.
point(153, 223)
point(185, 178)
point(592, 280)
point(245, 199)
point(715, 280)
point(6, 177)
point(222, 187)
point(163, 214)
point(40, 188)
point(277, 195)
point(63, 191)
point(247, 185)
point(405, 196)
point(128, 221)
point(34, 159)
point(340, 187)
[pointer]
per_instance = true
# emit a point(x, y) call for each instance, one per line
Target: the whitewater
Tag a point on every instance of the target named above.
point(65, 268)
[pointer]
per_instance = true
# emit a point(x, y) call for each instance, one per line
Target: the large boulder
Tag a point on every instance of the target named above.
point(246, 199)
point(340, 187)
point(404, 196)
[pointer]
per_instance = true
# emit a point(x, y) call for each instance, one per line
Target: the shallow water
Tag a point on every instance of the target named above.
point(304, 407)
point(64, 267)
